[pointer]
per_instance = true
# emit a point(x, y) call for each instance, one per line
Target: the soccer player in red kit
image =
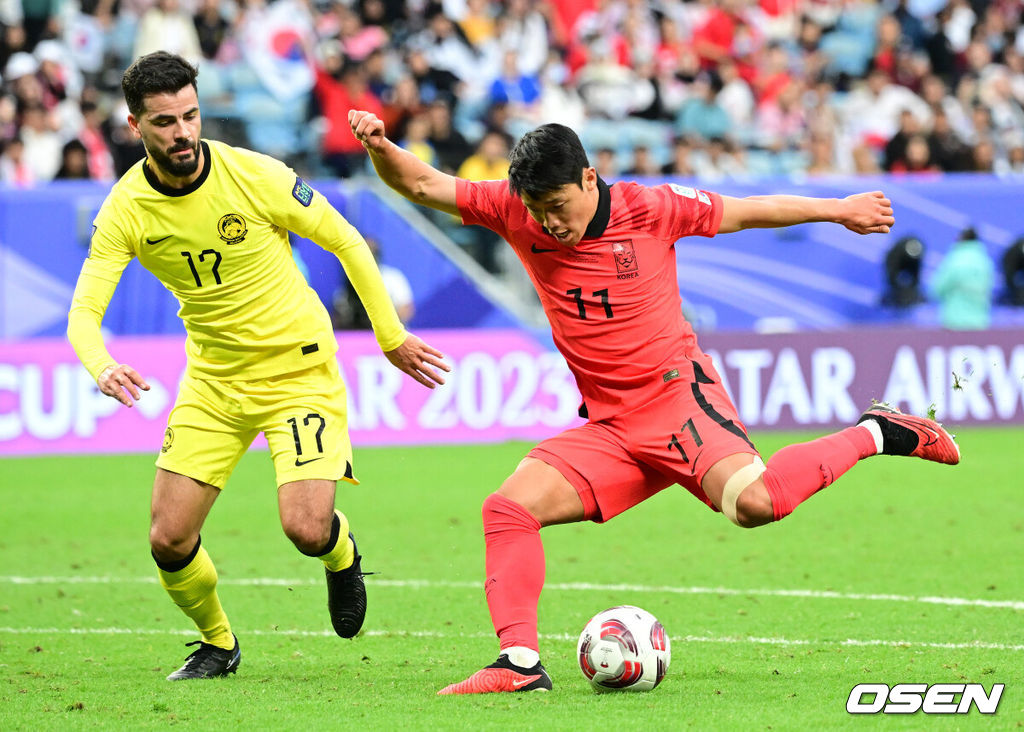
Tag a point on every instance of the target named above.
point(602, 259)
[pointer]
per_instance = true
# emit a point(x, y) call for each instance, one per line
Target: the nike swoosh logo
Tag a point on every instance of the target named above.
point(931, 437)
point(522, 682)
point(537, 250)
point(300, 463)
point(157, 241)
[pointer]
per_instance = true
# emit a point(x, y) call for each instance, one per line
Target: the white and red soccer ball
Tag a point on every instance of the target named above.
point(624, 648)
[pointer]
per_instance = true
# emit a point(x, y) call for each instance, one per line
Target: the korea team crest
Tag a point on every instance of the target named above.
point(231, 228)
point(625, 260)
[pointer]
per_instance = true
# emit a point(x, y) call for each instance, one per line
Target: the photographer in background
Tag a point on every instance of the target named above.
point(963, 284)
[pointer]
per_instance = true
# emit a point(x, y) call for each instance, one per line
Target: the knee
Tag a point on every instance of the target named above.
point(490, 504)
point(501, 512)
point(308, 537)
point(494, 505)
point(754, 507)
point(169, 546)
point(745, 500)
point(513, 490)
point(541, 492)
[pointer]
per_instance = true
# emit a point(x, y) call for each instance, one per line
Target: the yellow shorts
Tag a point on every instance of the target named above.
point(302, 414)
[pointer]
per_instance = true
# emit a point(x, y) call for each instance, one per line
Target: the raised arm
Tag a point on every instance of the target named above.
point(400, 169)
point(863, 213)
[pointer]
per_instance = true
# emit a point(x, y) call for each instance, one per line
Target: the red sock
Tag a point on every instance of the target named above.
point(797, 472)
point(515, 570)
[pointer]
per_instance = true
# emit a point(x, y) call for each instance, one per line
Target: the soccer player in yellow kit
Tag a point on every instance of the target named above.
point(212, 222)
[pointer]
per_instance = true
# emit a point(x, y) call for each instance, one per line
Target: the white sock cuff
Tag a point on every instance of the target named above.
point(876, 432)
point(522, 656)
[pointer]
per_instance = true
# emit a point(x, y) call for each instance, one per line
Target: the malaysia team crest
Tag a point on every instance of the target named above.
point(168, 440)
point(625, 258)
point(232, 228)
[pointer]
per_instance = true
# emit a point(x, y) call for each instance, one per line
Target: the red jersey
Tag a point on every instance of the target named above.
point(335, 100)
point(612, 300)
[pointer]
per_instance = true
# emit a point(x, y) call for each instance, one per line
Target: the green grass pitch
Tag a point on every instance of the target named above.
point(901, 572)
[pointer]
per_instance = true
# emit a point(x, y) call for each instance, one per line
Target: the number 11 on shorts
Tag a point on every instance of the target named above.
point(676, 445)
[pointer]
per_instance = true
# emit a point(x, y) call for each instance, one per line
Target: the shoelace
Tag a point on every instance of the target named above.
point(194, 659)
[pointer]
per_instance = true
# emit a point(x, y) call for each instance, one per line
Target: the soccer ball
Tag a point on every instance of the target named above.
point(624, 648)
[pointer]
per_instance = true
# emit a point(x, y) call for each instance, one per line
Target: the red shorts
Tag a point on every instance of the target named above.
point(616, 463)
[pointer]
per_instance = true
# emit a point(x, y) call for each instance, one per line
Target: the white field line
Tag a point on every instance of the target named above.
point(849, 642)
point(553, 586)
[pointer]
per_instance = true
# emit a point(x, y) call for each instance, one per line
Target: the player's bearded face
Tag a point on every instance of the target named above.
point(170, 130)
point(180, 160)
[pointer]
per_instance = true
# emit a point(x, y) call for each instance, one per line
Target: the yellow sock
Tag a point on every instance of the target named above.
point(194, 590)
point(343, 553)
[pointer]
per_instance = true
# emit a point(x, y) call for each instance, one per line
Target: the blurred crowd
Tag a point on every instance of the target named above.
point(717, 89)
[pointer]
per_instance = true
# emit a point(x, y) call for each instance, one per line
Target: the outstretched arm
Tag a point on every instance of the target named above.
point(863, 213)
point(400, 169)
point(405, 351)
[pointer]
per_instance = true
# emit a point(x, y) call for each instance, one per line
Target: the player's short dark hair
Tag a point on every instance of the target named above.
point(156, 73)
point(546, 159)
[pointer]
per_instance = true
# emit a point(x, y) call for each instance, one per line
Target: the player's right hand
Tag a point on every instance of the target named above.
point(367, 127)
point(115, 381)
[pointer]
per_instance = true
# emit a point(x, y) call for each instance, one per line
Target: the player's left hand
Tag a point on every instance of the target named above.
point(416, 358)
point(867, 213)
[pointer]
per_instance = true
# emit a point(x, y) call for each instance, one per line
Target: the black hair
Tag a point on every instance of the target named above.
point(546, 159)
point(156, 73)
point(74, 145)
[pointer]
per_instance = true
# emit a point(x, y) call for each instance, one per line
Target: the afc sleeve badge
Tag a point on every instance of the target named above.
point(301, 192)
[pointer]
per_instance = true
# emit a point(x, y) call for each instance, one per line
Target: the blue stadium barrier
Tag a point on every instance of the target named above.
point(821, 276)
point(44, 236)
point(816, 276)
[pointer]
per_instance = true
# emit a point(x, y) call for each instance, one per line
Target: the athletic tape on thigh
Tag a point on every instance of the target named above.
point(736, 484)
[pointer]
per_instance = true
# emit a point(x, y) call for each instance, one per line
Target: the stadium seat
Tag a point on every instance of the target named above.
point(791, 163)
point(272, 127)
point(847, 52)
point(760, 163)
point(646, 133)
point(214, 83)
point(598, 133)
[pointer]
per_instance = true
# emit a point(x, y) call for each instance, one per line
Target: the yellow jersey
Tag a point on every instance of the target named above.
point(476, 168)
point(220, 246)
